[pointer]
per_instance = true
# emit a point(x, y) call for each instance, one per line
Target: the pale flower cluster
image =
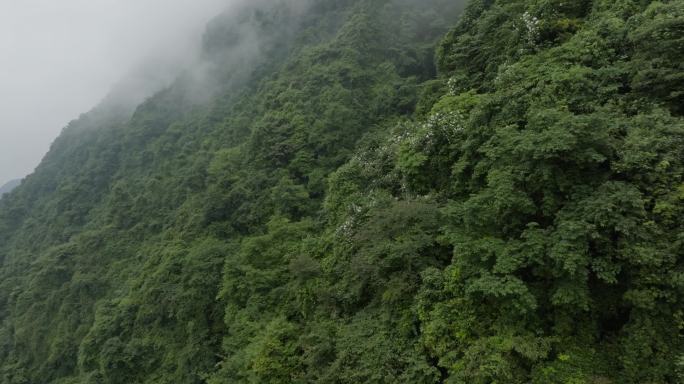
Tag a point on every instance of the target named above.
point(531, 28)
point(346, 229)
point(453, 86)
point(445, 125)
point(355, 215)
point(438, 128)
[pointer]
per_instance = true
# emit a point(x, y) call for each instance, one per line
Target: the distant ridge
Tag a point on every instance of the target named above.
point(9, 186)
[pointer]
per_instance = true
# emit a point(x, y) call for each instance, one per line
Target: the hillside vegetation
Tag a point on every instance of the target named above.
point(369, 191)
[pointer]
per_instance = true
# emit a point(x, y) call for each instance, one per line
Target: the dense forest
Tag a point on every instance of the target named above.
point(368, 191)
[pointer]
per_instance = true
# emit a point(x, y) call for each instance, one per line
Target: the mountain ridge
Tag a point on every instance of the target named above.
point(9, 186)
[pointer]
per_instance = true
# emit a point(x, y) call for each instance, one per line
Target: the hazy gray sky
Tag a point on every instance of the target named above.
point(59, 58)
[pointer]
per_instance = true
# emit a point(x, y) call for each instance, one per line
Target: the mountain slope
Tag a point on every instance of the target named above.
point(92, 238)
point(336, 197)
point(9, 186)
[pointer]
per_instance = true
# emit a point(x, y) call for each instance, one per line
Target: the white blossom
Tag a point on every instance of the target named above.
point(453, 86)
point(532, 28)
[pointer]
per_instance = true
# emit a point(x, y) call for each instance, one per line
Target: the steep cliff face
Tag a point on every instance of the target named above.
point(362, 191)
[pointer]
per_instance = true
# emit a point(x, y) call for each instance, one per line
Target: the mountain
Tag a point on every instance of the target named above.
point(368, 191)
point(9, 186)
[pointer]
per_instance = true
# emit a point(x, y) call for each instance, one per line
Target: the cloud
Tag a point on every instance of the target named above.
point(58, 59)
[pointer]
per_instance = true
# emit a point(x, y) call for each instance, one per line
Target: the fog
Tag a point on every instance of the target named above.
point(59, 59)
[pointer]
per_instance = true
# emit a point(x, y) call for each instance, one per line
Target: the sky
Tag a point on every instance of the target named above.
point(59, 58)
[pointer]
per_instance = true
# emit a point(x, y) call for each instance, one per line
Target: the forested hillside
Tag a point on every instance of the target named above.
point(369, 191)
point(9, 186)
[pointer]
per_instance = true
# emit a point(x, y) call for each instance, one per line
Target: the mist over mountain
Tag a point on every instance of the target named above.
point(365, 191)
point(59, 59)
point(9, 186)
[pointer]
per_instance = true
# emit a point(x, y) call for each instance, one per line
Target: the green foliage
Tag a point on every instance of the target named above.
point(347, 206)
